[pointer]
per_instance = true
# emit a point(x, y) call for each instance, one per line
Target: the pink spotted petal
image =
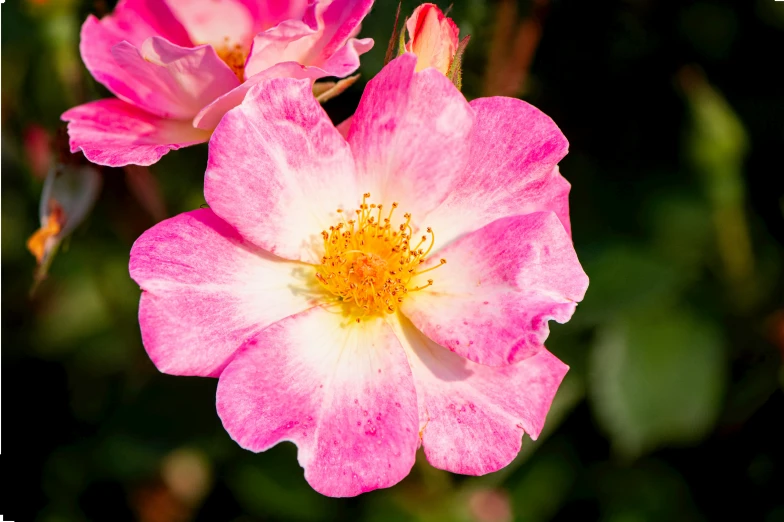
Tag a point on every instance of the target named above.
point(132, 21)
point(343, 393)
point(207, 290)
point(500, 286)
point(511, 170)
point(410, 136)
point(278, 170)
point(172, 81)
point(215, 22)
point(472, 417)
point(114, 133)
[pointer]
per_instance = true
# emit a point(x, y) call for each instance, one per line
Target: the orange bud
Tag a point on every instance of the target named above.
point(433, 38)
point(39, 242)
point(67, 197)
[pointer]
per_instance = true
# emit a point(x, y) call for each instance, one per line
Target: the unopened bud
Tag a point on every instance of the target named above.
point(433, 38)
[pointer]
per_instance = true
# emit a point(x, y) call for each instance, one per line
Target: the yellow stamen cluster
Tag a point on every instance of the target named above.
point(234, 55)
point(369, 262)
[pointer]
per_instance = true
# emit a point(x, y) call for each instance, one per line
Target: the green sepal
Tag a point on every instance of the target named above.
point(401, 44)
point(455, 71)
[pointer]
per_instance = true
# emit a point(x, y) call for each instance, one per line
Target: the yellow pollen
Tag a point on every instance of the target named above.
point(370, 262)
point(234, 55)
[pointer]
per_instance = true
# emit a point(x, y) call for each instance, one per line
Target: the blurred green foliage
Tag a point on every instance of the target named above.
point(672, 408)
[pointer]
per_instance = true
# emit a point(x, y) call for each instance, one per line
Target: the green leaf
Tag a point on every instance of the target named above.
point(656, 378)
point(544, 483)
point(263, 492)
point(627, 278)
point(716, 145)
point(649, 490)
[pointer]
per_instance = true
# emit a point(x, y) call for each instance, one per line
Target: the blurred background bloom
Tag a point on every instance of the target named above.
point(176, 67)
point(671, 409)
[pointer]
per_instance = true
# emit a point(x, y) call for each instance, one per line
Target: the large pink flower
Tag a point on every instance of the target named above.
point(177, 66)
point(328, 313)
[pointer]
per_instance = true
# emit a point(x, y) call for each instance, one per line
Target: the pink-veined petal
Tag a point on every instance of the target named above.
point(215, 22)
point(410, 135)
point(342, 392)
point(114, 133)
point(172, 81)
point(511, 170)
point(207, 290)
point(278, 170)
point(472, 417)
point(500, 286)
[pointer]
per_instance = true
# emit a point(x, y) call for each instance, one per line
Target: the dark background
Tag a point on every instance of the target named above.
point(673, 407)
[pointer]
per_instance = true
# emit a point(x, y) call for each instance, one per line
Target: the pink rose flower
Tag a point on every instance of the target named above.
point(433, 37)
point(328, 313)
point(177, 66)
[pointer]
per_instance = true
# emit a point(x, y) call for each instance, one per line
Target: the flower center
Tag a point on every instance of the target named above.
point(371, 263)
point(233, 55)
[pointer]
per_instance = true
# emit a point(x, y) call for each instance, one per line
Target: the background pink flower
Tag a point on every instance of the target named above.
point(176, 66)
point(342, 341)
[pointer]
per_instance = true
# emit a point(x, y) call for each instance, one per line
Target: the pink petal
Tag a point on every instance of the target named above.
point(324, 32)
point(114, 133)
point(341, 21)
point(341, 64)
point(172, 81)
point(211, 115)
point(133, 21)
point(286, 42)
point(501, 284)
point(206, 291)
point(136, 20)
point(278, 169)
point(344, 126)
point(215, 22)
point(472, 417)
point(410, 136)
point(346, 59)
point(269, 13)
point(511, 170)
point(343, 393)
